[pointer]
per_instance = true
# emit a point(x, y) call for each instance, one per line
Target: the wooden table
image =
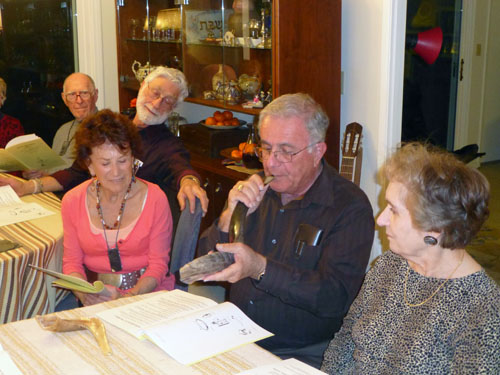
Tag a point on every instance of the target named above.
point(25, 292)
point(39, 352)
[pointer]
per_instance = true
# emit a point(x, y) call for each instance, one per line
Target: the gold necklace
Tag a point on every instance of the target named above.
point(438, 288)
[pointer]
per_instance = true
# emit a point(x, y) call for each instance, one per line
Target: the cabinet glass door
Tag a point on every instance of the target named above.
point(149, 34)
point(227, 52)
point(222, 46)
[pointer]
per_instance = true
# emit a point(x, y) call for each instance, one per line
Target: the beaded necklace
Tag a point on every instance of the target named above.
point(122, 207)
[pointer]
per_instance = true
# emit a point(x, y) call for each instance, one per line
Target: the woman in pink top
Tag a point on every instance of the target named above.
point(115, 225)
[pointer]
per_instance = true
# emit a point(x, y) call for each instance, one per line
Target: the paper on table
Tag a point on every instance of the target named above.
point(203, 334)
point(287, 367)
point(13, 210)
point(137, 316)
point(8, 196)
point(7, 366)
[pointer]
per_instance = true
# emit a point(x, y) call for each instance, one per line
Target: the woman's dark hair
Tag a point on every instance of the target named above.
point(444, 195)
point(106, 126)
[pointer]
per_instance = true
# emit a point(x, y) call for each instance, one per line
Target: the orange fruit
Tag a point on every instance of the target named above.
point(241, 146)
point(210, 121)
point(228, 115)
point(227, 122)
point(219, 123)
point(235, 122)
point(218, 116)
point(236, 154)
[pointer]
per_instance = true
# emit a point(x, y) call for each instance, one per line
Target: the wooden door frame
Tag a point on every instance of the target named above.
point(463, 133)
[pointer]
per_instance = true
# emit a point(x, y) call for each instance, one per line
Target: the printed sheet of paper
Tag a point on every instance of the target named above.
point(7, 366)
point(287, 367)
point(203, 334)
point(135, 317)
point(13, 210)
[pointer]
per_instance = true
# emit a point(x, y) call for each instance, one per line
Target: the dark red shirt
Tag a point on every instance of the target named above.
point(10, 127)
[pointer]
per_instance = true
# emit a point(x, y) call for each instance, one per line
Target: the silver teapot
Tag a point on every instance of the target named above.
point(142, 71)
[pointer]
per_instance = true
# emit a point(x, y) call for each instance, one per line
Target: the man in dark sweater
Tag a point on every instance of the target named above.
point(308, 235)
point(165, 160)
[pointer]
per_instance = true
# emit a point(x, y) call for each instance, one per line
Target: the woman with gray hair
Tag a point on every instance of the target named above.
point(10, 127)
point(426, 307)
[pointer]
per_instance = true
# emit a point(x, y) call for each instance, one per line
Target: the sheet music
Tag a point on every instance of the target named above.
point(135, 317)
point(13, 210)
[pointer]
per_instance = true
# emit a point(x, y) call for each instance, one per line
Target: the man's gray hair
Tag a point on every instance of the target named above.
point(302, 106)
point(92, 83)
point(174, 76)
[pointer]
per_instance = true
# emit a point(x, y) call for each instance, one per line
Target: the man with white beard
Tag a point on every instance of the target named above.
point(165, 159)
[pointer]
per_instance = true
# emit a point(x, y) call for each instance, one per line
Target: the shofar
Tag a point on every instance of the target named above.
point(217, 261)
point(94, 325)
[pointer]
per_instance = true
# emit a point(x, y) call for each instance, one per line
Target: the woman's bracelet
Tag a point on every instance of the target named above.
point(38, 185)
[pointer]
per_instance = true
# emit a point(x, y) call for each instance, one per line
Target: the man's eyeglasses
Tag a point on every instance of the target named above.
point(281, 156)
point(84, 95)
point(155, 94)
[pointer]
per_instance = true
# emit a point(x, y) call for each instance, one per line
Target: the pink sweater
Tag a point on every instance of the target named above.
point(147, 244)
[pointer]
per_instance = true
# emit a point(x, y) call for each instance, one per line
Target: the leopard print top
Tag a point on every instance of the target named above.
point(456, 332)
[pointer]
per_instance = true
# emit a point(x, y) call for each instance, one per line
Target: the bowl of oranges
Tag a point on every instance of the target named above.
point(222, 120)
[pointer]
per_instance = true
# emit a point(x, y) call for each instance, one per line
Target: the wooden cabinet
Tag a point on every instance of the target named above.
point(298, 50)
point(217, 181)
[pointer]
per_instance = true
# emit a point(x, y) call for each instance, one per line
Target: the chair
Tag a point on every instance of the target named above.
point(185, 241)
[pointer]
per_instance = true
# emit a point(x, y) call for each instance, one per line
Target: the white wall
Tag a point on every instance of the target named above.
point(373, 35)
point(96, 23)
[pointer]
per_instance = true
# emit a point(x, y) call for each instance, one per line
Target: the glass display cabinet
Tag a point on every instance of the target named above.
point(236, 54)
point(223, 47)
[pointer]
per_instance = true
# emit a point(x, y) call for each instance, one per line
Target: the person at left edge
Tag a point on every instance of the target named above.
point(10, 127)
point(115, 225)
point(166, 160)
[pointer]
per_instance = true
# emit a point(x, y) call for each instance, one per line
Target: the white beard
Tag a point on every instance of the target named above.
point(147, 114)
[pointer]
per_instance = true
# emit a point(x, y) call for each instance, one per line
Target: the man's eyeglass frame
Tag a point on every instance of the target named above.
point(281, 156)
point(84, 95)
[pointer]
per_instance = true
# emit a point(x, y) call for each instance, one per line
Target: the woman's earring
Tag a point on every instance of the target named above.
point(430, 240)
point(135, 167)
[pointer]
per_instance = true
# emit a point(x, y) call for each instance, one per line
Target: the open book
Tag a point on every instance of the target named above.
point(28, 152)
point(189, 328)
point(71, 282)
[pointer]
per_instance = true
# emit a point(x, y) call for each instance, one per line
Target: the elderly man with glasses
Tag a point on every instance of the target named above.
point(308, 235)
point(80, 96)
point(165, 159)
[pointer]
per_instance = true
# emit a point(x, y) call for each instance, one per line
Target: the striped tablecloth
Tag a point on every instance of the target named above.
point(25, 292)
point(39, 352)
